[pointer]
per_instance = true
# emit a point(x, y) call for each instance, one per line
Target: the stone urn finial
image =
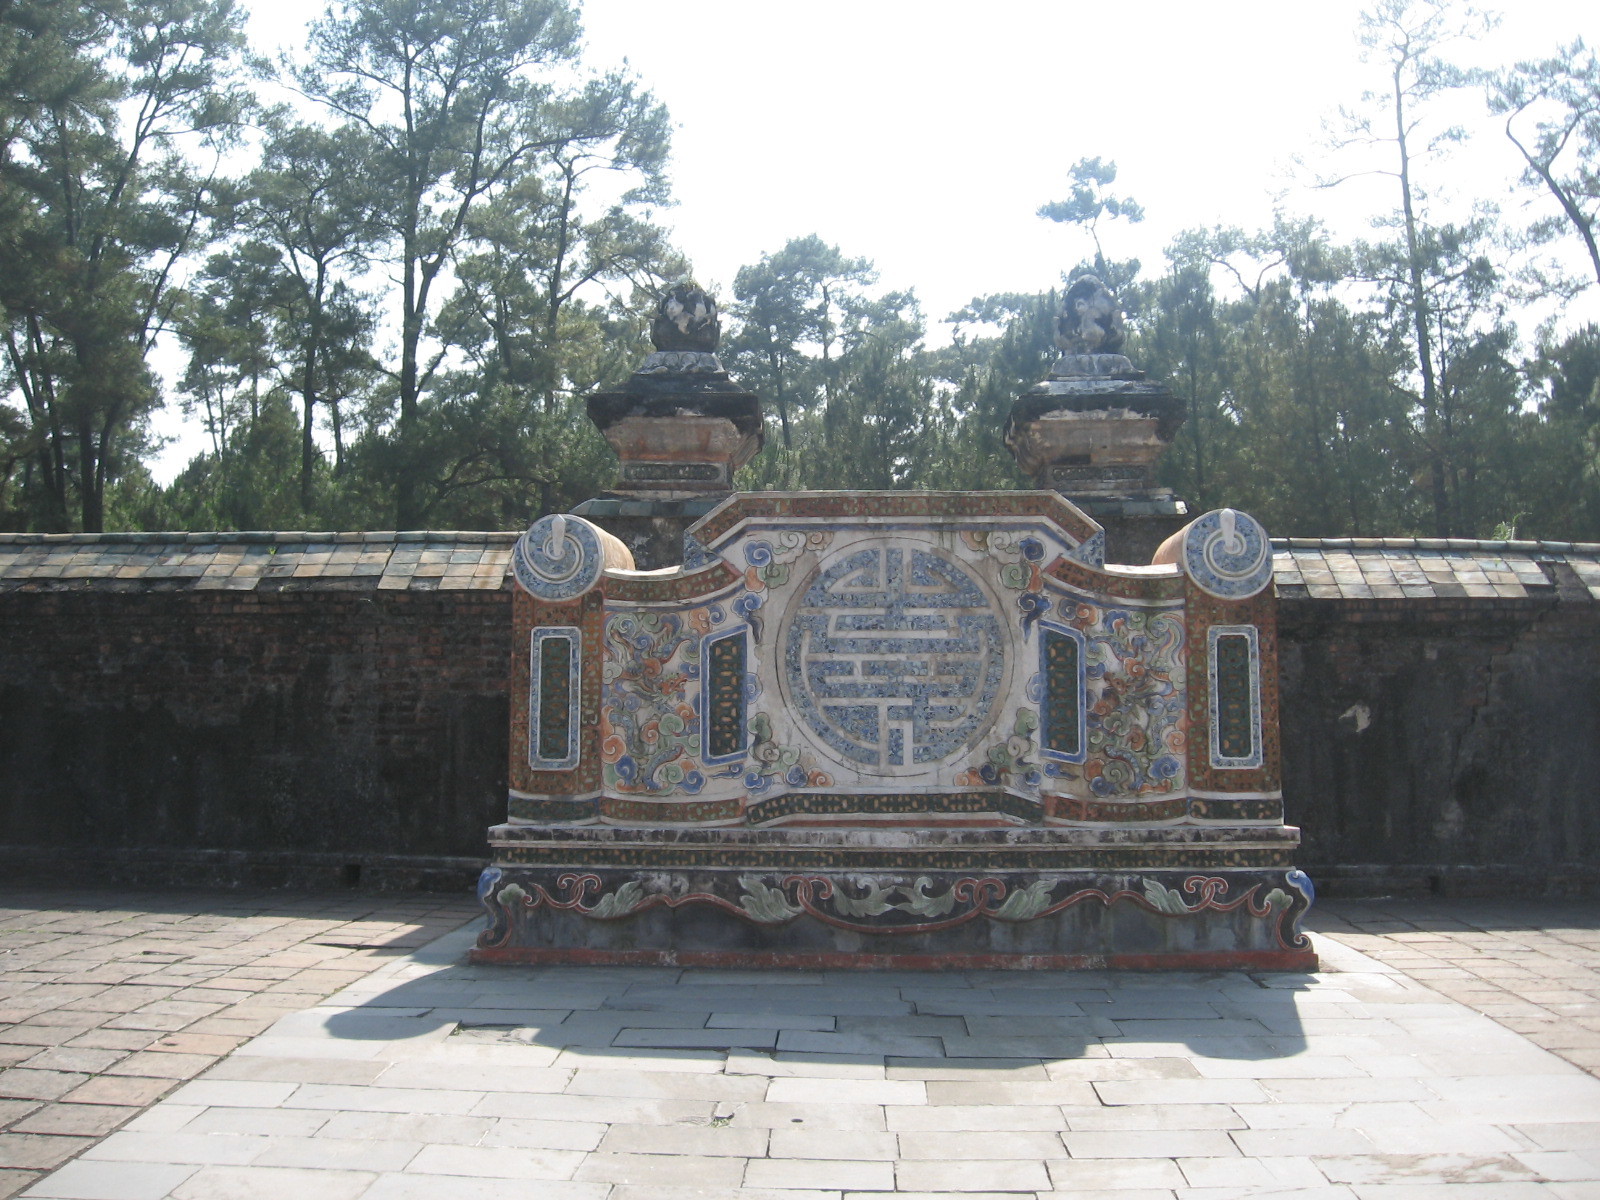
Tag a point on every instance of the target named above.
point(1090, 321)
point(686, 319)
point(1095, 427)
point(679, 425)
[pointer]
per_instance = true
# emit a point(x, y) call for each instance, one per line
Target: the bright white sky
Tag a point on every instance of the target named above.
point(925, 134)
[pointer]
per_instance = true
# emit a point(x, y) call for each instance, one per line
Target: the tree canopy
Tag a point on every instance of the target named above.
point(389, 297)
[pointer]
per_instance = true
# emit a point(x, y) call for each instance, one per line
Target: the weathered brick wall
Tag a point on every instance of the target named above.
point(1448, 746)
point(334, 723)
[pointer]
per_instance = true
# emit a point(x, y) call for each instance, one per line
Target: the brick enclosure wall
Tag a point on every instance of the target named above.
point(289, 736)
point(330, 724)
point(1445, 746)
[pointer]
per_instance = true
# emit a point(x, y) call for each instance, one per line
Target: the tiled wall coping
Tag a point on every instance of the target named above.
point(258, 537)
point(1468, 545)
point(1306, 568)
point(421, 560)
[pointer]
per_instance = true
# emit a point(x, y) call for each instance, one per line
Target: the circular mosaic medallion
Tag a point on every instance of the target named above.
point(559, 558)
point(893, 659)
point(1227, 554)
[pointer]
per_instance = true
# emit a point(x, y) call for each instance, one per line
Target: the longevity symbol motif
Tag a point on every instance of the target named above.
point(894, 658)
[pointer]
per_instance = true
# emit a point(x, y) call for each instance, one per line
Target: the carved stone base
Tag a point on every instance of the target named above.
point(1094, 434)
point(994, 917)
point(679, 456)
point(1089, 453)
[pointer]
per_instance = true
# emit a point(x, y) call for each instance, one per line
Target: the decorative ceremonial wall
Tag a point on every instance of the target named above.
point(855, 656)
point(325, 719)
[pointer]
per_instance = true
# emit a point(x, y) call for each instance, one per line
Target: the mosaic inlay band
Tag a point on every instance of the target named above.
point(672, 855)
point(887, 805)
point(893, 658)
point(893, 904)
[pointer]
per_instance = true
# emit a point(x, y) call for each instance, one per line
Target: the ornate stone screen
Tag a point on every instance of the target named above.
point(950, 698)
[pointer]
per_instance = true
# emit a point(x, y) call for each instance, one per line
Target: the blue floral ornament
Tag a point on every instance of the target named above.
point(796, 777)
point(1301, 882)
point(695, 555)
point(487, 882)
point(758, 554)
point(1033, 606)
point(1035, 689)
point(1093, 551)
point(558, 559)
point(747, 606)
point(1227, 554)
point(1032, 549)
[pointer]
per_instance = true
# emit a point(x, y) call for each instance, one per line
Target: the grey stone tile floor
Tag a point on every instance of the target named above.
point(398, 1071)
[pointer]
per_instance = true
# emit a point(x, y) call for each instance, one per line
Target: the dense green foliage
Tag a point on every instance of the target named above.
point(389, 315)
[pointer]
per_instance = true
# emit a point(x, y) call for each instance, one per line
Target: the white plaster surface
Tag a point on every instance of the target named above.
point(432, 1078)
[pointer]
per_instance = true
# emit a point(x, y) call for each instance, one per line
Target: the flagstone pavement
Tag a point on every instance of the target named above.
point(234, 1045)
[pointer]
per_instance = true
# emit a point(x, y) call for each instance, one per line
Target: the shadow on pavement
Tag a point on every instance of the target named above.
point(980, 1019)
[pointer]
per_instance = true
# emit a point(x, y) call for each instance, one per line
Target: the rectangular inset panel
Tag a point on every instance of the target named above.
point(724, 697)
point(1235, 679)
point(1061, 666)
point(554, 684)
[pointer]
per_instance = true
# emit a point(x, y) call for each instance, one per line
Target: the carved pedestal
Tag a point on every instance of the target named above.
point(677, 457)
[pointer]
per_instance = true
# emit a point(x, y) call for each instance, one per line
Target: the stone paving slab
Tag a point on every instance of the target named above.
point(428, 1077)
point(1532, 966)
point(109, 1001)
point(424, 1077)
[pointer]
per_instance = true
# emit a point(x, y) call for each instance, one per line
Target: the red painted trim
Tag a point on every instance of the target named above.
point(1201, 960)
